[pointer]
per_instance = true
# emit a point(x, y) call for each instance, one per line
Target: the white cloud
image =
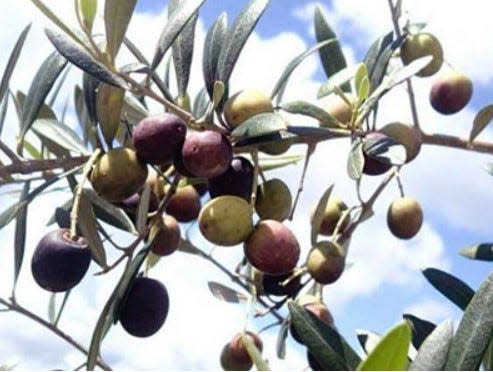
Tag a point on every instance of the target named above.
point(432, 310)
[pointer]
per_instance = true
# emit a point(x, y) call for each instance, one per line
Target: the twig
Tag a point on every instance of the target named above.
point(410, 90)
point(458, 143)
point(31, 166)
point(11, 154)
point(21, 310)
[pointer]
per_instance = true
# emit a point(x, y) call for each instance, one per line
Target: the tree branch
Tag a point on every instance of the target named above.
point(31, 166)
point(458, 143)
point(14, 306)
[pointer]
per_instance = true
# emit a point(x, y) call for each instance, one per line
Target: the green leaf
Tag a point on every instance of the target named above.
point(281, 339)
point(109, 105)
point(360, 77)
point(356, 160)
point(451, 287)
point(283, 80)
point(88, 9)
point(318, 214)
point(432, 354)
point(337, 80)
point(482, 252)
point(42, 83)
point(152, 260)
point(311, 110)
point(390, 354)
point(259, 125)
point(226, 294)
point(109, 314)
point(3, 111)
point(78, 56)
point(481, 121)
point(143, 208)
point(267, 164)
point(385, 150)
point(328, 347)
point(20, 234)
point(86, 220)
point(173, 27)
point(237, 37)
point(186, 246)
point(117, 15)
point(201, 103)
point(214, 42)
point(331, 55)
point(14, 56)
point(474, 331)
point(254, 354)
point(488, 357)
point(368, 340)
point(183, 49)
point(109, 213)
point(421, 329)
point(45, 112)
point(61, 134)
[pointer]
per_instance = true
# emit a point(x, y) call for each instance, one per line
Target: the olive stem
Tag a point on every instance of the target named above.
point(32, 166)
point(253, 197)
point(11, 154)
point(13, 305)
point(410, 90)
point(309, 152)
point(78, 193)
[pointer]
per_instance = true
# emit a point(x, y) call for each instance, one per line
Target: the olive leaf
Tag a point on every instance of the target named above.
point(117, 15)
point(451, 287)
point(20, 234)
point(13, 58)
point(254, 354)
point(87, 9)
point(311, 110)
point(420, 328)
point(331, 55)
point(214, 42)
point(224, 293)
point(433, 353)
point(259, 125)
point(483, 252)
point(318, 214)
point(176, 23)
point(109, 105)
point(237, 36)
point(481, 121)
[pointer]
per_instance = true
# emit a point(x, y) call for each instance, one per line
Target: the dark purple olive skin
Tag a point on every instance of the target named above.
point(157, 138)
point(272, 285)
point(451, 93)
point(237, 180)
point(201, 188)
point(206, 154)
point(145, 308)
point(59, 263)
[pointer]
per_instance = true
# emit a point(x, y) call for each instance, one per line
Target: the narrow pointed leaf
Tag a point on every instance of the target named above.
point(86, 220)
point(328, 347)
point(474, 331)
point(390, 354)
point(143, 208)
point(173, 28)
point(259, 125)
point(356, 160)
point(183, 49)
point(281, 340)
point(224, 293)
point(420, 328)
point(109, 105)
point(373, 54)
point(254, 353)
point(3, 111)
point(318, 215)
point(20, 234)
point(88, 9)
point(214, 42)
point(237, 37)
point(267, 164)
point(42, 83)
point(451, 287)
point(385, 150)
point(283, 80)
point(152, 260)
point(78, 56)
point(201, 103)
point(14, 56)
point(311, 110)
point(331, 55)
point(481, 121)
point(433, 353)
point(186, 247)
point(61, 134)
point(117, 15)
point(483, 252)
point(110, 313)
point(338, 80)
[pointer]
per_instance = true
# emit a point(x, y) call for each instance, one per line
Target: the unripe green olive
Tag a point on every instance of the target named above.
point(404, 218)
point(420, 45)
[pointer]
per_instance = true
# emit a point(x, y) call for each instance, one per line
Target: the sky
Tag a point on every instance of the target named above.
point(385, 280)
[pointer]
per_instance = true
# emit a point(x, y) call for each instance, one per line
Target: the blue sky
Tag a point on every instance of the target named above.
point(385, 280)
